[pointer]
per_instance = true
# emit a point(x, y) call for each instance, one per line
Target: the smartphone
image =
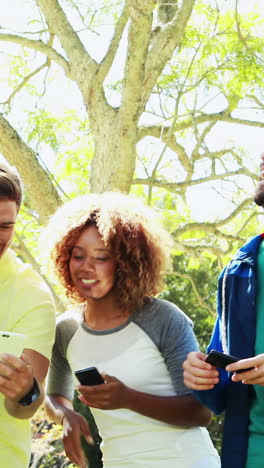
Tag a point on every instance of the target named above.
point(222, 360)
point(12, 343)
point(89, 376)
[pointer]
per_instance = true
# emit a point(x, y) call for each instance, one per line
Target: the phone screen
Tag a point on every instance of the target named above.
point(222, 360)
point(89, 376)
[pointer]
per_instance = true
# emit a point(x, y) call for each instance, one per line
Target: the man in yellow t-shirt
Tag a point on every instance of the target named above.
point(26, 307)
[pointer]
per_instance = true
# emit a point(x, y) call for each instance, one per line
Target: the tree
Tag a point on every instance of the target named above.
point(177, 84)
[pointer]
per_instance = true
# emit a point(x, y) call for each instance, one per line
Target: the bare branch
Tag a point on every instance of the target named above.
point(24, 81)
point(206, 227)
point(163, 45)
point(259, 103)
point(39, 46)
point(138, 44)
point(243, 205)
point(82, 65)
point(178, 186)
point(159, 130)
point(213, 228)
point(114, 44)
point(201, 302)
point(201, 140)
point(198, 249)
point(248, 220)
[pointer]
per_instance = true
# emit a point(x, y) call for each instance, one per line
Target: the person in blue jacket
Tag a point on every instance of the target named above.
point(239, 331)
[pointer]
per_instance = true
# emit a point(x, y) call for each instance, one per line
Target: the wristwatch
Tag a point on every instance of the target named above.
point(31, 396)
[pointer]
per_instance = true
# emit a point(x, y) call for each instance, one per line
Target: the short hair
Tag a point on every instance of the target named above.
point(10, 184)
point(139, 243)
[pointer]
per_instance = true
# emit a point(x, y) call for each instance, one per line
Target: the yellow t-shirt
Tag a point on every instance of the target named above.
point(26, 306)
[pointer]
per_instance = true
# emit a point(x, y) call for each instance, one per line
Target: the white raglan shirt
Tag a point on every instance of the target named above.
point(146, 353)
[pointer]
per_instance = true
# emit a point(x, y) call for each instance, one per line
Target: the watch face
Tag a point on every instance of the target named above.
point(31, 396)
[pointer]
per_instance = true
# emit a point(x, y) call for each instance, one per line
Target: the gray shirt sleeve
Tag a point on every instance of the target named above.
point(60, 379)
point(172, 332)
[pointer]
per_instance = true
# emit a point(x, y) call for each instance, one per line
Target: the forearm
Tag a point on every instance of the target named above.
point(24, 412)
point(183, 410)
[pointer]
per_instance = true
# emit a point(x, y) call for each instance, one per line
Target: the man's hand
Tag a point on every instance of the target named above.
point(16, 377)
point(250, 377)
point(16, 380)
point(198, 374)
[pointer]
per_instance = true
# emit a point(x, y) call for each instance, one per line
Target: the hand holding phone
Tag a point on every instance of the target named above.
point(89, 376)
point(12, 343)
point(222, 360)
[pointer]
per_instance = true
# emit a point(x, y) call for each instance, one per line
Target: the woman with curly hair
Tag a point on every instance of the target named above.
point(111, 254)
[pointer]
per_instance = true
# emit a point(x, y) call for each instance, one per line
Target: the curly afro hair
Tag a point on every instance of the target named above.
point(139, 244)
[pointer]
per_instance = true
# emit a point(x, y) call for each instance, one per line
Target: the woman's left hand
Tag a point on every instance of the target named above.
point(113, 394)
point(254, 376)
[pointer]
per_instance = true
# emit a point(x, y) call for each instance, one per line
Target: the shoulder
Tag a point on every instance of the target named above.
point(66, 327)
point(165, 311)
point(244, 259)
point(167, 326)
point(68, 322)
point(162, 319)
point(26, 279)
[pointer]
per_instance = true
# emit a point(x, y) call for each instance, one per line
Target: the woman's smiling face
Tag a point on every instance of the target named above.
point(91, 265)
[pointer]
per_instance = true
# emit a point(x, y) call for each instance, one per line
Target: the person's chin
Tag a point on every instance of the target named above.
point(90, 294)
point(97, 295)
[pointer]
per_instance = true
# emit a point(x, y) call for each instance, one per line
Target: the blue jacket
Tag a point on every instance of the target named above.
point(236, 295)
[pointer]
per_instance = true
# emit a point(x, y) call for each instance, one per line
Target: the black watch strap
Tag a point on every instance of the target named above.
point(31, 396)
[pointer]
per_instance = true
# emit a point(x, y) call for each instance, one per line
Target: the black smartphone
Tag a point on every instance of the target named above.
point(89, 376)
point(222, 360)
